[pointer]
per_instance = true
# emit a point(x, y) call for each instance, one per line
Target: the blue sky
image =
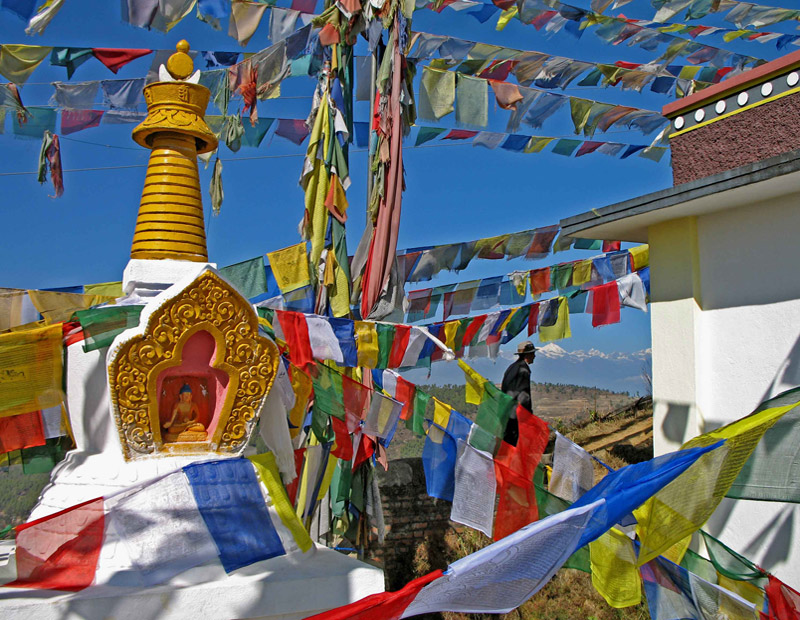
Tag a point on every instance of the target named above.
point(454, 192)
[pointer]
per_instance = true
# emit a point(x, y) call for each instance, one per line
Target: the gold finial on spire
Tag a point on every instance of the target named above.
point(180, 64)
point(170, 222)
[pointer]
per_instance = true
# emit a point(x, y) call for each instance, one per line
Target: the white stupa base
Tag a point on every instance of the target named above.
point(281, 588)
point(147, 278)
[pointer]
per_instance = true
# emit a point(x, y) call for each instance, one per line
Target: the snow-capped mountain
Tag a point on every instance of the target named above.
point(612, 370)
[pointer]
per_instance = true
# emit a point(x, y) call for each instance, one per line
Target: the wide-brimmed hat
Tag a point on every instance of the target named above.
point(523, 348)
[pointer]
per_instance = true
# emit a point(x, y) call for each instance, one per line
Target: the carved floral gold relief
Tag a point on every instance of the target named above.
point(164, 403)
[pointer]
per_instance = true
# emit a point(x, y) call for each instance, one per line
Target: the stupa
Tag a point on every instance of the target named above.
point(188, 384)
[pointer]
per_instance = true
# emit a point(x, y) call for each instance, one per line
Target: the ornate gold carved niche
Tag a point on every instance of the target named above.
point(249, 360)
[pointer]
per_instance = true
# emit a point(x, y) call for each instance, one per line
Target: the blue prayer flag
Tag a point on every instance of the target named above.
point(229, 498)
point(439, 458)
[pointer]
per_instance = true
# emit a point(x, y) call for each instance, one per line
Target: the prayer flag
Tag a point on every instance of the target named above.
point(295, 333)
point(20, 431)
point(540, 281)
point(573, 471)
point(605, 304)
point(614, 572)
point(30, 370)
point(494, 410)
point(684, 506)
point(115, 59)
point(17, 62)
point(560, 328)
point(382, 417)
point(248, 277)
point(439, 455)
point(60, 551)
point(367, 343)
point(290, 267)
point(474, 491)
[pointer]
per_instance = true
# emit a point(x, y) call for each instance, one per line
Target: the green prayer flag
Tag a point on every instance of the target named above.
point(385, 340)
point(38, 121)
point(494, 410)
point(517, 323)
point(588, 244)
point(415, 422)
point(437, 94)
point(340, 487)
point(580, 109)
point(426, 134)
point(550, 504)
point(730, 564)
point(653, 153)
point(254, 135)
point(566, 147)
point(697, 564)
point(760, 479)
point(482, 440)
point(560, 276)
point(472, 101)
point(42, 459)
point(249, 277)
point(328, 392)
point(102, 325)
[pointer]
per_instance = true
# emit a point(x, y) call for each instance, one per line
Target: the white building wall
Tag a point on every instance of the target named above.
point(726, 339)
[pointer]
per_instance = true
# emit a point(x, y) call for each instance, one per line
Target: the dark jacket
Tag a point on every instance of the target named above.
point(517, 382)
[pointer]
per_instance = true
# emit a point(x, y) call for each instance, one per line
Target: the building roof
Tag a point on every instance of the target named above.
point(737, 83)
point(629, 220)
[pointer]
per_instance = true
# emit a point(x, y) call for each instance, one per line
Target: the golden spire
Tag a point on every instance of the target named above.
point(170, 222)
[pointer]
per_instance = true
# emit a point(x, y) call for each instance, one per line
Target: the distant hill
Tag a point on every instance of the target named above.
point(553, 402)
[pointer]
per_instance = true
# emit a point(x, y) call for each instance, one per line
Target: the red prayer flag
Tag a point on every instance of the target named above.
point(291, 488)
point(304, 6)
point(542, 242)
point(366, 448)
point(78, 120)
point(356, 402)
point(516, 507)
point(115, 59)
point(588, 147)
point(784, 602)
point(295, 332)
point(60, 551)
point(514, 469)
point(401, 335)
point(21, 431)
point(384, 605)
point(328, 35)
point(473, 329)
point(540, 281)
point(405, 393)
point(344, 445)
point(611, 246)
point(460, 134)
point(533, 319)
point(605, 304)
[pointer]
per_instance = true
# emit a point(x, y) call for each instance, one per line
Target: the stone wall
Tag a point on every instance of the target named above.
point(411, 517)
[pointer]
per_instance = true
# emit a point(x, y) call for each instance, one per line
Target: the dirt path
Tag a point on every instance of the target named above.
point(635, 433)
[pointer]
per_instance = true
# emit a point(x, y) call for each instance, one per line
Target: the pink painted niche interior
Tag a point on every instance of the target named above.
point(209, 385)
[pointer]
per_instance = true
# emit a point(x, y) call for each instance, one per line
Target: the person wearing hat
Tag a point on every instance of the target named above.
point(517, 384)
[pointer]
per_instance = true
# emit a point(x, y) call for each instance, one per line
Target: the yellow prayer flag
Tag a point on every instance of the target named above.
point(366, 343)
point(290, 267)
point(582, 272)
point(505, 17)
point(30, 370)
point(450, 331)
point(745, 589)
point(56, 307)
point(561, 327)
point(441, 413)
point(641, 256)
point(12, 302)
point(614, 572)
point(507, 320)
point(267, 470)
point(302, 387)
point(17, 62)
point(107, 289)
point(474, 383)
point(684, 505)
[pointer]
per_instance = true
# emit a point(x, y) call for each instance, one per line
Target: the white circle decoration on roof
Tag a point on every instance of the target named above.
point(699, 115)
point(679, 122)
point(792, 79)
point(742, 99)
point(720, 107)
point(766, 89)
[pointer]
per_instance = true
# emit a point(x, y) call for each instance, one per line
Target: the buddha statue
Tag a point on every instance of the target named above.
point(184, 425)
